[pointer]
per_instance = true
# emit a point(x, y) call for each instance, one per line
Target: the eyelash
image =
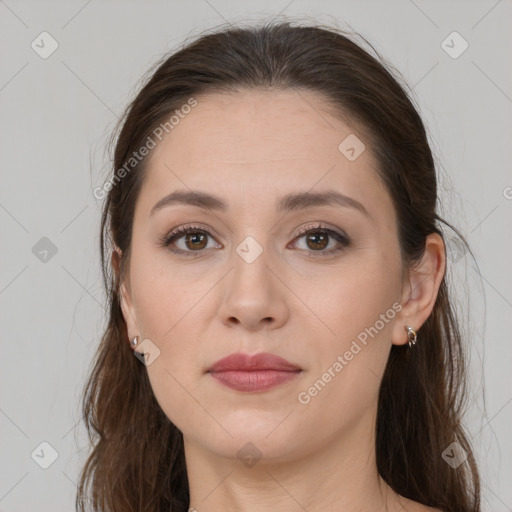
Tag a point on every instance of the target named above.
point(178, 233)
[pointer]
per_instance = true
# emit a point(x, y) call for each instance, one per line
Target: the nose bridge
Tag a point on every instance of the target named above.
point(253, 243)
point(250, 250)
point(254, 255)
point(254, 295)
point(252, 264)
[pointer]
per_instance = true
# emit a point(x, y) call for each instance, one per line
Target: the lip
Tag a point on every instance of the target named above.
point(244, 362)
point(259, 372)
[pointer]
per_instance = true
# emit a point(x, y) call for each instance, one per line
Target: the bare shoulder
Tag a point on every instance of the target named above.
point(424, 508)
point(414, 506)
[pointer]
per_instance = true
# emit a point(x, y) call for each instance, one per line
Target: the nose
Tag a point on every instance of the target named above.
point(254, 298)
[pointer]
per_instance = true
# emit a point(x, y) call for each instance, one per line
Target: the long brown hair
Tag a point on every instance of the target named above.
point(137, 462)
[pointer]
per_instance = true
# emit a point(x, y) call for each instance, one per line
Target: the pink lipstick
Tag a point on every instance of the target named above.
point(259, 372)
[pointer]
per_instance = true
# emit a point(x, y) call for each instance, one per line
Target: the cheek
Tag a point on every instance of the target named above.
point(164, 306)
point(358, 311)
point(166, 294)
point(177, 373)
point(350, 361)
point(175, 393)
point(351, 301)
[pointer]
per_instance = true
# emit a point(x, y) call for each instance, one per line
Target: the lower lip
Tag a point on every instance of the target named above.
point(255, 380)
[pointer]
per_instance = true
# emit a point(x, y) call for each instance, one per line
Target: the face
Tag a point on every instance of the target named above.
point(317, 283)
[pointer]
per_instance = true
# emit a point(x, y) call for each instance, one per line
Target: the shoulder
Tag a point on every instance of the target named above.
point(414, 506)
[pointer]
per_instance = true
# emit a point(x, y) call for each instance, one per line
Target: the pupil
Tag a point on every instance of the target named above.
point(194, 236)
point(316, 243)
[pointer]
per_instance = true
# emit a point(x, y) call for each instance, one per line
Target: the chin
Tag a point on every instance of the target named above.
point(251, 434)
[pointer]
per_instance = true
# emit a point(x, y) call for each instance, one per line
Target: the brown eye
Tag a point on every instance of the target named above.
point(196, 240)
point(317, 240)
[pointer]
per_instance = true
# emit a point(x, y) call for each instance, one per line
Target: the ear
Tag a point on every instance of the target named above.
point(124, 296)
point(419, 291)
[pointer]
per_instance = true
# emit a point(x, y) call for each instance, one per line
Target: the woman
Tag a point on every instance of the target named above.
point(274, 260)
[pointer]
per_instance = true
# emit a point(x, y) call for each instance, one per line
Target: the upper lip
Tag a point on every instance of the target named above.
point(245, 362)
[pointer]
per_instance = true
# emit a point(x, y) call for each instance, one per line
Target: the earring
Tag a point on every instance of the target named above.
point(412, 337)
point(134, 341)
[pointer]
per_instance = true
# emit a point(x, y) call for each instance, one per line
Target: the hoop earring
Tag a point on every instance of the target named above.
point(134, 341)
point(412, 337)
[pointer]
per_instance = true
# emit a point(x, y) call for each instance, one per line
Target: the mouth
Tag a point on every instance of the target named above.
point(254, 380)
point(259, 372)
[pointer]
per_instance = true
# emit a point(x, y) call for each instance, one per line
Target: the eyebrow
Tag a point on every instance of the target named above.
point(290, 202)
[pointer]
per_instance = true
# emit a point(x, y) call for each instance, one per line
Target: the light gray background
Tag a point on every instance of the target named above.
point(56, 115)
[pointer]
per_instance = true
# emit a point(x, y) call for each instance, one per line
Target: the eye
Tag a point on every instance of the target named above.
point(195, 239)
point(318, 237)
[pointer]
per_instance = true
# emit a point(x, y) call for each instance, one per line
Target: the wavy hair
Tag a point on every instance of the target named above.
point(137, 463)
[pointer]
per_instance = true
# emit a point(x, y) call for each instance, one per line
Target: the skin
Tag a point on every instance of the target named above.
point(251, 148)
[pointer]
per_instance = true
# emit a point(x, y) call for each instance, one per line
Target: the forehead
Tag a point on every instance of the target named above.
point(257, 126)
point(261, 144)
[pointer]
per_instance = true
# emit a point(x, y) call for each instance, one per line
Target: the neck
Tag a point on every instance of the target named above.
point(342, 475)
